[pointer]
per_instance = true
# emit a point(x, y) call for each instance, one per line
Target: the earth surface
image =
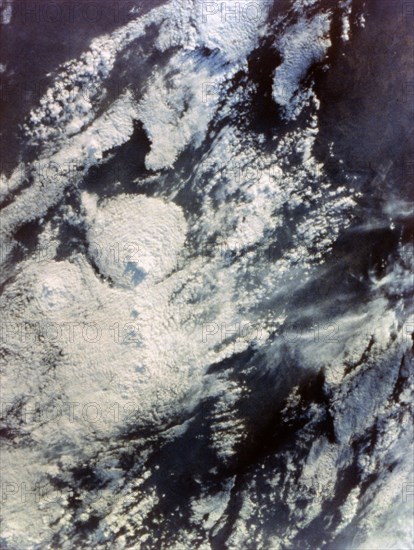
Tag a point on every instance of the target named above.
point(207, 274)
